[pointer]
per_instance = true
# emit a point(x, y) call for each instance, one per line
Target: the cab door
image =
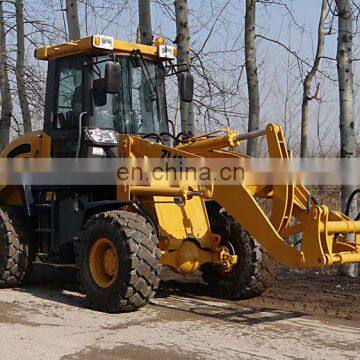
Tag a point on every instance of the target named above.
point(68, 106)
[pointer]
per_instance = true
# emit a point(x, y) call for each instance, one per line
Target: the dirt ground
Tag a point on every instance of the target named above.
point(313, 292)
point(302, 317)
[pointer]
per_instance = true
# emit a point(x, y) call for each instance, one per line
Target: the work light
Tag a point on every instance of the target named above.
point(103, 42)
point(167, 52)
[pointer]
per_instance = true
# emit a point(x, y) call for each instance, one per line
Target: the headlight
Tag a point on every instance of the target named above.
point(101, 137)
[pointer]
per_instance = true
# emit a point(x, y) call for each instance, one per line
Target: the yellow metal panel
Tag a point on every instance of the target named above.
point(313, 245)
point(40, 147)
point(45, 146)
point(33, 139)
point(187, 220)
point(10, 195)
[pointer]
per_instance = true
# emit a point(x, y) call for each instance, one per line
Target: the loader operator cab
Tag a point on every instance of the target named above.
point(98, 87)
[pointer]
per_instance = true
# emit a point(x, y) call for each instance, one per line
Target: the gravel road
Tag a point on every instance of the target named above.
point(53, 322)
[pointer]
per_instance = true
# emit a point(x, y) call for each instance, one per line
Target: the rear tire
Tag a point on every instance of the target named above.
point(16, 237)
point(255, 270)
point(129, 238)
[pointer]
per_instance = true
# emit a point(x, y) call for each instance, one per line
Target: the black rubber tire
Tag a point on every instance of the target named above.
point(16, 236)
point(139, 269)
point(256, 269)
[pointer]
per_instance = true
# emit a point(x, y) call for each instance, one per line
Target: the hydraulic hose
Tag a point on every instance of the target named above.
point(349, 202)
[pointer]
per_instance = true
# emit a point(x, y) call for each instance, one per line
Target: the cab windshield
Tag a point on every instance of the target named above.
point(140, 105)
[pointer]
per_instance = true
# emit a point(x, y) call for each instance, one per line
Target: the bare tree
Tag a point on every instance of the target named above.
point(6, 102)
point(20, 59)
point(346, 95)
point(308, 80)
point(72, 16)
point(183, 58)
point(145, 29)
point(251, 73)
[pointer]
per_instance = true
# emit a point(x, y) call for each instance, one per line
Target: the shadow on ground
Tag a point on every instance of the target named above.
point(176, 294)
point(56, 283)
point(197, 296)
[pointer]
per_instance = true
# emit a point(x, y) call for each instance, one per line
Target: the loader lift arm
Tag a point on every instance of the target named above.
point(323, 231)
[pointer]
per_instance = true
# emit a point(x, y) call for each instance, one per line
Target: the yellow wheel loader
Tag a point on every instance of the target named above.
point(106, 98)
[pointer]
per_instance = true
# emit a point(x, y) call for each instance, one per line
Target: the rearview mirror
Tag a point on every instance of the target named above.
point(99, 91)
point(112, 77)
point(186, 85)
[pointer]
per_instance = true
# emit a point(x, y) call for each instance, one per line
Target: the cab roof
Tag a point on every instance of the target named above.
point(101, 45)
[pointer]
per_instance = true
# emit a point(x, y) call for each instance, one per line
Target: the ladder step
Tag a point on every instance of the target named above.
point(44, 205)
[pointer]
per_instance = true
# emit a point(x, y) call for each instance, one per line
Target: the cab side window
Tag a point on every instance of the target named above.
point(69, 95)
point(68, 106)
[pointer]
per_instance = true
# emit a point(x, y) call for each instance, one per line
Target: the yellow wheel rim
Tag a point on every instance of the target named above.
point(103, 262)
point(231, 250)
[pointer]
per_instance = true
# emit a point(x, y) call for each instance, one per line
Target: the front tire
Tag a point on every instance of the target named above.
point(16, 238)
point(119, 261)
point(255, 270)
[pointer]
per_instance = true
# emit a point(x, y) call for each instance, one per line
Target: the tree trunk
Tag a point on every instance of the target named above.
point(346, 96)
point(251, 73)
point(145, 29)
point(308, 80)
point(183, 58)
point(6, 103)
point(20, 59)
point(72, 16)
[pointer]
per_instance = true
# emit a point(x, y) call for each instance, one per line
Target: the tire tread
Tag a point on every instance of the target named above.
point(258, 270)
point(142, 255)
point(16, 234)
